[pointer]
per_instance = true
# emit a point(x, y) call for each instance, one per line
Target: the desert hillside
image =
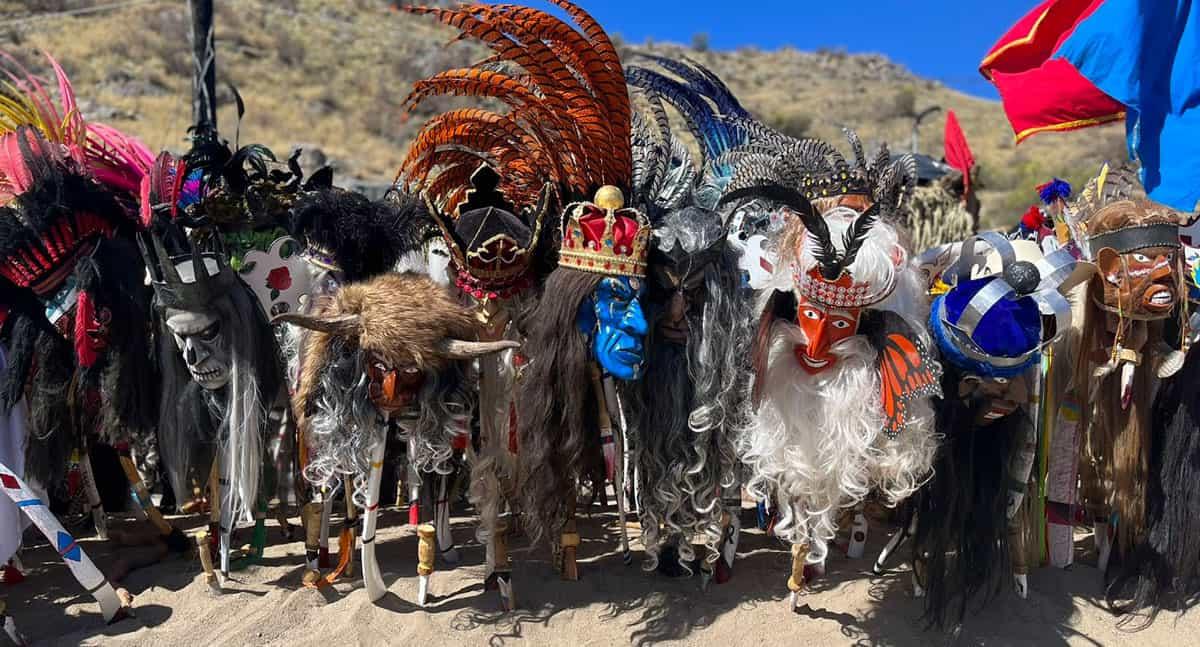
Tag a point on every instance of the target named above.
point(332, 75)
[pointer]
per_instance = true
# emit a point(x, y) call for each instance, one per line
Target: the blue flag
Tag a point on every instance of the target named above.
point(1146, 55)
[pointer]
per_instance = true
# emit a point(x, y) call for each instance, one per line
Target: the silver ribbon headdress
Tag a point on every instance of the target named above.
point(1042, 281)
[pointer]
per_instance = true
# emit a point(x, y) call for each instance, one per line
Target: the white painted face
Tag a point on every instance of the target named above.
point(204, 346)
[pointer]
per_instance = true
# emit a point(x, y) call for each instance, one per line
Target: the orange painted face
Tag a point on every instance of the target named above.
point(393, 389)
point(823, 327)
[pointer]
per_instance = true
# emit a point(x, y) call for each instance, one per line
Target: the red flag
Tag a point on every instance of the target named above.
point(1041, 92)
point(957, 151)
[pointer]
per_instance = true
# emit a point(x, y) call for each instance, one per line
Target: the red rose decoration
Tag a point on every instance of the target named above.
point(279, 279)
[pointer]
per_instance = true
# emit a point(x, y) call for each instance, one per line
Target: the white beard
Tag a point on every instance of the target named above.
point(816, 444)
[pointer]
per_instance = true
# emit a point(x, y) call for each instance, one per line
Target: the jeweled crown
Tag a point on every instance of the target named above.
point(604, 237)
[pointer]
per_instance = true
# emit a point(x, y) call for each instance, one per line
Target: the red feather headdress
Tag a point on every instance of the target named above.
point(568, 117)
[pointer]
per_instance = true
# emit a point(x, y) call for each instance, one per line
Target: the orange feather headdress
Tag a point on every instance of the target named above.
point(567, 122)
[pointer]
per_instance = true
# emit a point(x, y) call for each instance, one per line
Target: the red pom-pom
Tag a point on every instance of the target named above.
point(1033, 219)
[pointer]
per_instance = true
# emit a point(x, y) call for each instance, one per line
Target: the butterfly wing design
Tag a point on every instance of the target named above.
point(907, 370)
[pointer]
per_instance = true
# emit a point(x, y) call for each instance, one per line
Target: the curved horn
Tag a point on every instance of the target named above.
point(539, 216)
point(459, 349)
point(340, 325)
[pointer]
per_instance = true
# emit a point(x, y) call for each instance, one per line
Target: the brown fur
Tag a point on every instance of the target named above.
point(403, 318)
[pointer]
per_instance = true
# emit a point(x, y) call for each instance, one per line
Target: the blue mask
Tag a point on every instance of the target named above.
point(612, 317)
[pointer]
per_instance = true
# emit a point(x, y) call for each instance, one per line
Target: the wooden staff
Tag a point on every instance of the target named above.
point(426, 552)
point(858, 533)
point(172, 536)
point(795, 582)
point(203, 549)
point(616, 471)
point(85, 572)
point(501, 573)
point(326, 511)
point(310, 518)
point(895, 542)
point(570, 543)
point(95, 505)
point(441, 517)
point(371, 574)
point(204, 63)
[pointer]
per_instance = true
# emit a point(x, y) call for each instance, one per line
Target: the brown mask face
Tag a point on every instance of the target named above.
point(1002, 395)
point(1141, 284)
point(393, 388)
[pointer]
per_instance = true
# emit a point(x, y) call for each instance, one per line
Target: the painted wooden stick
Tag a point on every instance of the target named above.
point(172, 536)
point(95, 505)
point(349, 535)
point(795, 581)
point(310, 518)
point(203, 549)
point(90, 577)
point(894, 543)
point(326, 511)
point(371, 574)
point(858, 533)
point(426, 552)
point(10, 627)
point(570, 543)
point(501, 566)
point(618, 472)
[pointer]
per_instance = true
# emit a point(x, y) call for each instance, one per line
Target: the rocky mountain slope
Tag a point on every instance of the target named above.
point(333, 74)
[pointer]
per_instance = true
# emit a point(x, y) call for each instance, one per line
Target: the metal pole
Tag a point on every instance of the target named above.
point(204, 68)
point(917, 124)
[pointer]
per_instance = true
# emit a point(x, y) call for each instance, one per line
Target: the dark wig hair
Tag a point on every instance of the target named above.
point(1163, 570)
point(686, 410)
point(364, 237)
point(961, 536)
point(557, 411)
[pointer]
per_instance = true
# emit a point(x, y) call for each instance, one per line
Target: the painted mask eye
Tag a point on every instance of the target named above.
point(841, 325)
point(811, 314)
point(412, 370)
point(210, 333)
point(1141, 258)
point(1000, 380)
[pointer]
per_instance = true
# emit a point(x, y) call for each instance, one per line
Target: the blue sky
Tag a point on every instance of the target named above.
point(940, 39)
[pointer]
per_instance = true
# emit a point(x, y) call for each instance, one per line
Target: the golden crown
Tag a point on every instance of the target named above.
point(604, 237)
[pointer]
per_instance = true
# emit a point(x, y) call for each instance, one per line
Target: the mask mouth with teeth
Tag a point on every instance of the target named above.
point(201, 341)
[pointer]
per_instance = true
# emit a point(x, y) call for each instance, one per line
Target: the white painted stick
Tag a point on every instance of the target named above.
point(371, 574)
point(89, 577)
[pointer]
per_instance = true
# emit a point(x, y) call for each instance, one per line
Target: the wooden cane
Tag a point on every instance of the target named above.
point(174, 537)
point(501, 566)
point(206, 563)
point(310, 518)
point(426, 554)
point(795, 581)
point(95, 505)
point(570, 543)
point(371, 574)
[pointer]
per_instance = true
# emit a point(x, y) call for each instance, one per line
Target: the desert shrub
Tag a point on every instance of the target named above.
point(700, 42)
point(792, 122)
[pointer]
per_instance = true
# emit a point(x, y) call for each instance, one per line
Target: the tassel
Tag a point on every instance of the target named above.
point(85, 312)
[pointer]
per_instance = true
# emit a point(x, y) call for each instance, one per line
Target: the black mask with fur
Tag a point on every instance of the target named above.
point(686, 407)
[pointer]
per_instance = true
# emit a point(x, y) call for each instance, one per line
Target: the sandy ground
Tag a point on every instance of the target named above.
point(612, 604)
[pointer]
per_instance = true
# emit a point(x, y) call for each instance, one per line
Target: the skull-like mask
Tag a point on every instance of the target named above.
point(203, 344)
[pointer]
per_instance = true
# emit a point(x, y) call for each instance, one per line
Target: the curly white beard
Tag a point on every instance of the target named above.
point(815, 444)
